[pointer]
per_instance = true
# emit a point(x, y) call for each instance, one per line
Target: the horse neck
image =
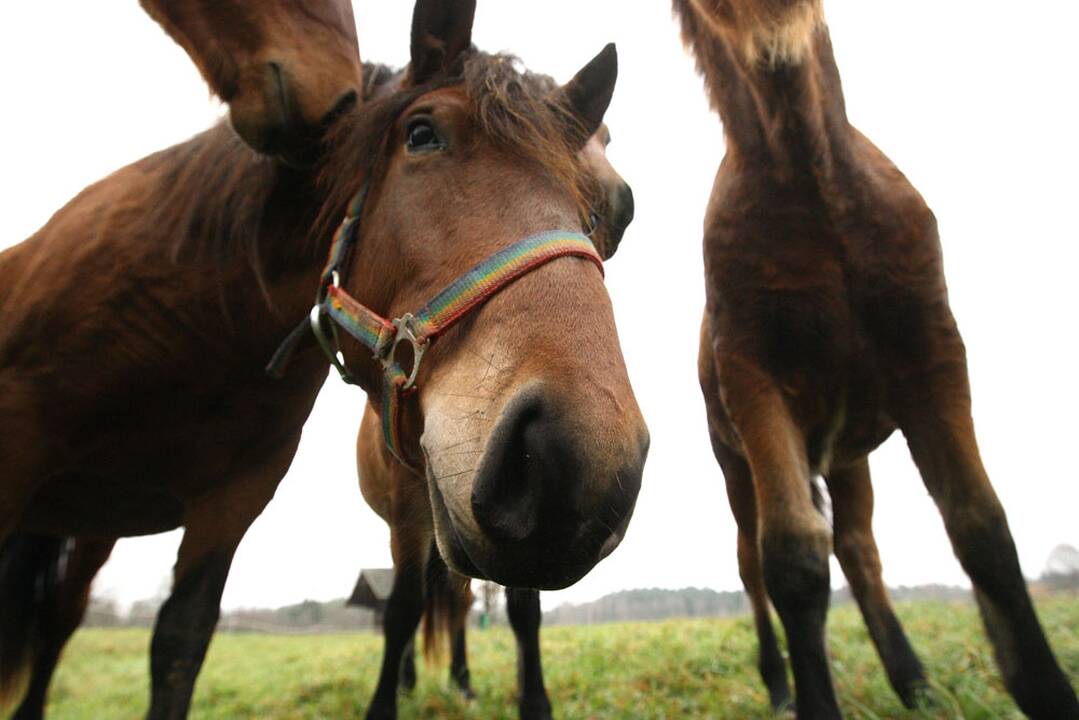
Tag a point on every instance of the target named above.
point(245, 218)
point(788, 116)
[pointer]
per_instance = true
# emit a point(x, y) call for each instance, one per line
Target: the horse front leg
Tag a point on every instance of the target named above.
point(856, 549)
point(61, 613)
point(740, 495)
point(407, 677)
point(214, 525)
point(795, 540)
point(404, 608)
point(523, 608)
point(935, 417)
point(743, 502)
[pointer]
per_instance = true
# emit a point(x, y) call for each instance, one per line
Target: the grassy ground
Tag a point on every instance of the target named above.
point(673, 669)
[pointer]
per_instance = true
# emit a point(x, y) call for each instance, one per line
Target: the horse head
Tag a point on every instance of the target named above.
point(258, 58)
point(521, 417)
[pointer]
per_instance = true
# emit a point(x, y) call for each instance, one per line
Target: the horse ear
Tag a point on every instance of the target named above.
point(589, 93)
point(441, 31)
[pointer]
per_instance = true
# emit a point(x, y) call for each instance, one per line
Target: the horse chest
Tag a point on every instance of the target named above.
point(798, 312)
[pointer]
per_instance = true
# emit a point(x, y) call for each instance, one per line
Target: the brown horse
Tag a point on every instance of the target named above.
point(129, 381)
point(132, 393)
point(826, 328)
point(422, 584)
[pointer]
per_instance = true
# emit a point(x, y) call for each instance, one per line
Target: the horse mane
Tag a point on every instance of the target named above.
point(211, 197)
point(216, 197)
point(215, 194)
point(513, 107)
point(376, 76)
point(516, 110)
point(717, 66)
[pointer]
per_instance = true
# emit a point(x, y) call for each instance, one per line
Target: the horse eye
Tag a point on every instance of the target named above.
point(422, 136)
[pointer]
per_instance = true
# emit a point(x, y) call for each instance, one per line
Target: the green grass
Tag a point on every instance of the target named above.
point(672, 669)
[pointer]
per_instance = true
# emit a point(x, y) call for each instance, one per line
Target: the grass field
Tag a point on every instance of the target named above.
point(671, 669)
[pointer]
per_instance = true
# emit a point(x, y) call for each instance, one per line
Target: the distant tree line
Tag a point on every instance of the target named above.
point(650, 604)
point(309, 616)
point(1061, 574)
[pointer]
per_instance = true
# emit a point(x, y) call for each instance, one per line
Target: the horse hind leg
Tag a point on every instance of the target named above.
point(856, 549)
point(462, 604)
point(28, 571)
point(61, 614)
point(770, 662)
point(935, 418)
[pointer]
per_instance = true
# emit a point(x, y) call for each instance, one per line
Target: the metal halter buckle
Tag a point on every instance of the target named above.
point(405, 333)
point(329, 343)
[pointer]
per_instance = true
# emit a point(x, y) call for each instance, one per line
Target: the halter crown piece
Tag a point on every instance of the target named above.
point(419, 329)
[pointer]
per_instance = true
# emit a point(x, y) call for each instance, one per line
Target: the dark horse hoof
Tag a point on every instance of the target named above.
point(779, 693)
point(915, 694)
point(781, 700)
point(536, 710)
point(381, 713)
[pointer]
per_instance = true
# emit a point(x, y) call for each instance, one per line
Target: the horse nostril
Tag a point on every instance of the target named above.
point(344, 104)
point(625, 207)
point(278, 87)
point(621, 216)
point(516, 472)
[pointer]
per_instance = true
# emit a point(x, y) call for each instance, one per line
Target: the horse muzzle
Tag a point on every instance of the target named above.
point(543, 507)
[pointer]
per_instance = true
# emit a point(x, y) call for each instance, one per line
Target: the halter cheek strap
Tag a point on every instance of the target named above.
point(419, 329)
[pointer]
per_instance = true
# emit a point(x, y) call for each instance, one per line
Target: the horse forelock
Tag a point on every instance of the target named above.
point(517, 111)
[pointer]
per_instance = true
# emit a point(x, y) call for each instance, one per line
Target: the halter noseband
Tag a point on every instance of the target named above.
point(419, 329)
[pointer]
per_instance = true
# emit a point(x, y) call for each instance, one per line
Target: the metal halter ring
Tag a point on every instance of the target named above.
point(405, 333)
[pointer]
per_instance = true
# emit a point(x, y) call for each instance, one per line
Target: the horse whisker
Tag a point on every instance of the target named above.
point(453, 475)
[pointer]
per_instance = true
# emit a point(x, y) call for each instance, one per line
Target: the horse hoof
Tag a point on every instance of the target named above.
point(536, 712)
point(374, 713)
point(916, 695)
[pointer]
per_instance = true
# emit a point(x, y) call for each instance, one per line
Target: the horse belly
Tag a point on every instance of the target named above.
point(83, 506)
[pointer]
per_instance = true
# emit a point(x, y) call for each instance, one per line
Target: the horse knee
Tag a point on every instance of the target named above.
point(984, 546)
point(795, 567)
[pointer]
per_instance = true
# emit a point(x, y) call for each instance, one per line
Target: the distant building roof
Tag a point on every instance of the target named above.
point(372, 588)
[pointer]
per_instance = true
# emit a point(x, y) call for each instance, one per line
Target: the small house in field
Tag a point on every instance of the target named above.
point(372, 591)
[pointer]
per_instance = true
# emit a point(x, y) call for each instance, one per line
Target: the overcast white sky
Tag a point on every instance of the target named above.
point(970, 99)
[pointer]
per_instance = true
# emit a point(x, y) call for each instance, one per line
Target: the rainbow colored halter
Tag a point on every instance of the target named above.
point(419, 329)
